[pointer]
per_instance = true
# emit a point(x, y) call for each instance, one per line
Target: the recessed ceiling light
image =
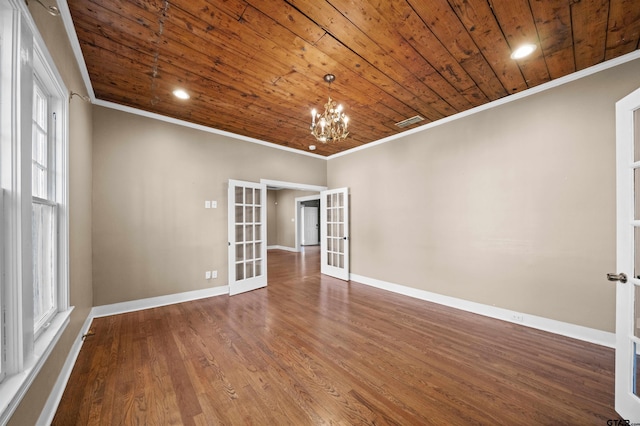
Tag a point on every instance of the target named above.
point(312, 147)
point(179, 93)
point(522, 51)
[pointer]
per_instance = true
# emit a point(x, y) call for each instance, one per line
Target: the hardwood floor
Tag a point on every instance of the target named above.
point(309, 349)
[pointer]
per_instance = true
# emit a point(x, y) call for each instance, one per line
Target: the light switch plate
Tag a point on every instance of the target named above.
point(214, 274)
point(207, 204)
point(214, 204)
point(207, 275)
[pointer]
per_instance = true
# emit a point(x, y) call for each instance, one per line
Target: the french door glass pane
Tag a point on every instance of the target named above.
point(636, 311)
point(636, 185)
point(248, 196)
point(240, 271)
point(636, 139)
point(239, 195)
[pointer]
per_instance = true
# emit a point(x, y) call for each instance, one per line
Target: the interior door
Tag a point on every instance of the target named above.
point(627, 387)
point(247, 236)
point(311, 225)
point(334, 235)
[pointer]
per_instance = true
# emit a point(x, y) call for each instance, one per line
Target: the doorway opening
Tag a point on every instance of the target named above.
point(307, 221)
point(286, 202)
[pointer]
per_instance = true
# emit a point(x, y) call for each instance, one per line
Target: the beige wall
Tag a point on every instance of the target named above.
point(272, 218)
point(80, 152)
point(152, 234)
point(512, 207)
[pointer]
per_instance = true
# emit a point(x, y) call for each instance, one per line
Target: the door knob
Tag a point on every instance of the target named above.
point(622, 277)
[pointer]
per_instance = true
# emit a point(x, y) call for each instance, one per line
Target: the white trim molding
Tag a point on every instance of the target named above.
point(285, 248)
point(586, 334)
point(155, 302)
point(292, 185)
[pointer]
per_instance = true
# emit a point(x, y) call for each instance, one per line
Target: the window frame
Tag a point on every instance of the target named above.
point(23, 56)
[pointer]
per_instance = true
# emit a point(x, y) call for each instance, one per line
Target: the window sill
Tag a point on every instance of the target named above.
point(15, 386)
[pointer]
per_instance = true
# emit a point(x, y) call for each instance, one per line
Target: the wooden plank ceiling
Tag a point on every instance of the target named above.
point(256, 67)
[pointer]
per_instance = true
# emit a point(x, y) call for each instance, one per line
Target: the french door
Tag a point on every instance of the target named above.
point(247, 236)
point(334, 238)
point(627, 276)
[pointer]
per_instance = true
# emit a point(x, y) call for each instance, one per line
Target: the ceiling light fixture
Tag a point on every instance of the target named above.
point(523, 51)
point(332, 125)
point(181, 94)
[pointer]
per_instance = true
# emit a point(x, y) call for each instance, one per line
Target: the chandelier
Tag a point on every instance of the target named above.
point(332, 125)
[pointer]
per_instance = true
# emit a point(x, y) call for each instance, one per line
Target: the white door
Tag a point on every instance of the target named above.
point(334, 235)
point(311, 226)
point(627, 386)
point(247, 236)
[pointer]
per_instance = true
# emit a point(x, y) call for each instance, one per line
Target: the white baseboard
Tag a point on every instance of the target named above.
point(50, 407)
point(586, 334)
point(282, 248)
point(154, 302)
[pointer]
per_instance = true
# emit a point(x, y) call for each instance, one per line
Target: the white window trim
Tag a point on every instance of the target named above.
point(27, 56)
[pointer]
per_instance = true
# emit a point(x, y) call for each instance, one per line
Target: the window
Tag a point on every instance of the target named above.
point(43, 217)
point(34, 300)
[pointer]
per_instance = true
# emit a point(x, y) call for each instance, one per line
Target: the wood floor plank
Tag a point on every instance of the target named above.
point(309, 349)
